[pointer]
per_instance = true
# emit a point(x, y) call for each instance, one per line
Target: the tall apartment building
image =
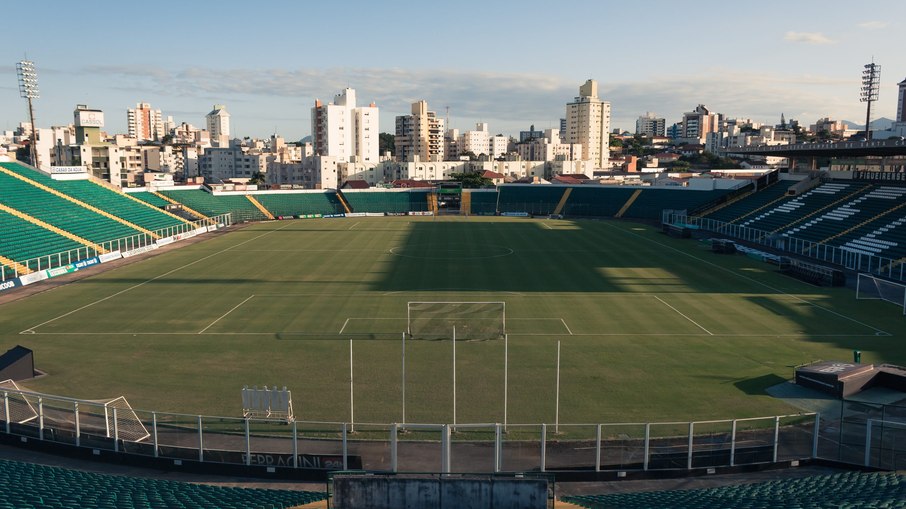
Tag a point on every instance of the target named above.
point(698, 123)
point(344, 131)
point(650, 125)
point(588, 124)
point(218, 122)
point(420, 134)
point(144, 123)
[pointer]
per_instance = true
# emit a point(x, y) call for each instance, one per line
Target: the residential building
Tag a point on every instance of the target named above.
point(144, 123)
point(344, 131)
point(218, 122)
point(650, 125)
point(549, 147)
point(420, 135)
point(698, 123)
point(588, 124)
point(530, 134)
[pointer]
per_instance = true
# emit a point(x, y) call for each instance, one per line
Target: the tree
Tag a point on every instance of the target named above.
point(386, 143)
point(471, 180)
point(258, 179)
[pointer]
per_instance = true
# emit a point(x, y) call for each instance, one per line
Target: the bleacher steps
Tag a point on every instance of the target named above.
point(199, 215)
point(432, 202)
point(629, 202)
point(465, 204)
point(759, 209)
point(267, 213)
point(48, 226)
point(104, 183)
point(863, 223)
point(562, 202)
point(344, 202)
point(79, 203)
point(18, 267)
point(832, 205)
point(724, 204)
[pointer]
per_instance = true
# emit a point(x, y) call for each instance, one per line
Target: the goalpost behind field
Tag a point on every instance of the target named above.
point(470, 320)
point(869, 287)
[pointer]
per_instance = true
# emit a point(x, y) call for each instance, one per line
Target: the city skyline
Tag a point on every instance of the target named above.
point(510, 65)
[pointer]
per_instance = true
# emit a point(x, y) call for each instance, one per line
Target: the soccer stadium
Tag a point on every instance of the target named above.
point(538, 334)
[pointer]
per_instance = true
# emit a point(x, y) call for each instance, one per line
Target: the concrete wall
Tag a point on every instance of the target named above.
point(378, 492)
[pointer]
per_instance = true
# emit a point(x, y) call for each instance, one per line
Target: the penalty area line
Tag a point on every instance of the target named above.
point(684, 316)
point(567, 327)
point(234, 308)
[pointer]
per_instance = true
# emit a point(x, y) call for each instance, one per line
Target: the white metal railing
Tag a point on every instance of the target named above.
point(862, 262)
point(412, 447)
point(62, 258)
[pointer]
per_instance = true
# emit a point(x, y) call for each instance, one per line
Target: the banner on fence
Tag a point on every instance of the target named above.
point(140, 250)
point(108, 257)
point(59, 271)
point(374, 214)
point(9, 284)
point(88, 262)
point(34, 277)
point(421, 213)
point(334, 215)
point(515, 214)
point(356, 214)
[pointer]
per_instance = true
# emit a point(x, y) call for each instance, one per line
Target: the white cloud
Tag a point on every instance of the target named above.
point(808, 37)
point(873, 25)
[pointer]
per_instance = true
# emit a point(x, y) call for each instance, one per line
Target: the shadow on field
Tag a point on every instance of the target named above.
point(756, 386)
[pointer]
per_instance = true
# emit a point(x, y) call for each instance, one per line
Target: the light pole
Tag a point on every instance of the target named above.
point(871, 84)
point(28, 89)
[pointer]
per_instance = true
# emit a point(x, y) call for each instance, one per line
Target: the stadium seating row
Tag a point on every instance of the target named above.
point(850, 490)
point(27, 485)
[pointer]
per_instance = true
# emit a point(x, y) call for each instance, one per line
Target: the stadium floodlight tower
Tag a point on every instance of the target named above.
point(871, 84)
point(28, 89)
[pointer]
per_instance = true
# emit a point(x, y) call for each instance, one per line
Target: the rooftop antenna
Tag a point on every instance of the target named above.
point(448, 117)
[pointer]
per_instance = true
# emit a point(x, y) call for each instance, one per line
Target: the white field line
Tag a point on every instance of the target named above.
point(511, 334)
point(353, 225)
point(547, 226)
point(753, 280)
point(684, 316)
point(64, 315)
point(234, 308)
point(567, 327)
point(344, 326)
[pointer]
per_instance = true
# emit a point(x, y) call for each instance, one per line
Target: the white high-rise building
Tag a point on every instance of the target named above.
point(588, 124)
point(218, 122)
point(420, 134)
point(901, 103)
point(346, 132)
point(144, 123)
point(650, 125)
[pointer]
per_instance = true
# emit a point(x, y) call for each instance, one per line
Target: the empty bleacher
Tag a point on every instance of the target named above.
point(599, 201)
point(788, 212)
point(652, 201)
point(151, 198)
point(752, 203)
point(300, 203)
point(852, 490)
point(863, 208)
point(532, 199)
point(62, 213)
point(21, 241)
point(483, 202)
point(27, 485)
point(887, 239)
point(386, 201)
point(214, 205)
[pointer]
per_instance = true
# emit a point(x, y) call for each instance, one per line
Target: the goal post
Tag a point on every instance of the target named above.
point(470, 320)
point(869, 287)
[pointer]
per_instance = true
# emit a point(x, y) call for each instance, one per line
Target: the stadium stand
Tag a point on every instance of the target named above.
point(852, 490)
point(887, 239)
point(22, 240)
point(651, 202)
point(210, 205)
point(600, 201)
point(386, 201)
point(751, 204)
point(297, 204)
point(862, 209)
point(60, 212)
point(796, 209)
point(119, 204)
point(27, 485)
point(483, 203)
point(149, 197)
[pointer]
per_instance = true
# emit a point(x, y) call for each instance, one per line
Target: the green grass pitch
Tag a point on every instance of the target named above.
point(651, 328)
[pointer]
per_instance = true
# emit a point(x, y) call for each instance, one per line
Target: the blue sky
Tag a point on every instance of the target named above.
point(511, 64)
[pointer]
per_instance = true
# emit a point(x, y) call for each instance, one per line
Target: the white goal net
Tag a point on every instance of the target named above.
point(467, 320)
point(870, 287)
